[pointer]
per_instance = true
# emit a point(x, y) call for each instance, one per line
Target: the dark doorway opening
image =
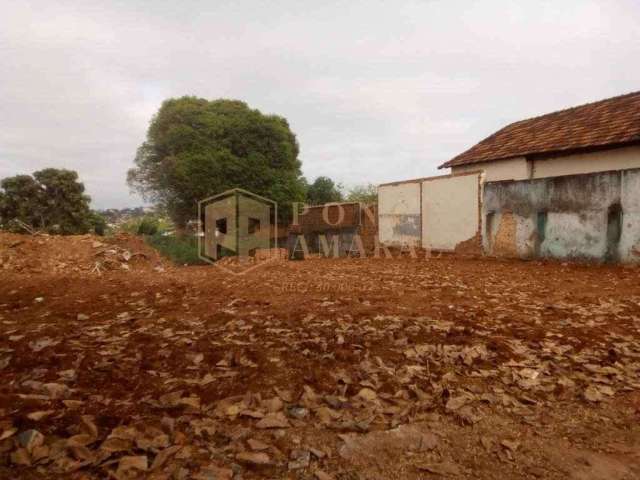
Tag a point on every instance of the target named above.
point(541, 230)
point(488, 230)
point(614, 231)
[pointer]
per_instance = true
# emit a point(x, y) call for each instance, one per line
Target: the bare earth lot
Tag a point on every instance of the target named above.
point(320, 369)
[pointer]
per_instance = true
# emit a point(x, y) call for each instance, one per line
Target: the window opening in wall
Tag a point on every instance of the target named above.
point(254, 225)
point(221, 225)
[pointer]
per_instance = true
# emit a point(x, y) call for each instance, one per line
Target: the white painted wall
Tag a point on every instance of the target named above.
point(616, 159)
point(511, 169)
point(520, 169)
point(399, 213)
point(450, 210)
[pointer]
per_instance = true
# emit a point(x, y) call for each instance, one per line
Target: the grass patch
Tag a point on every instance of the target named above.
point(182, 250)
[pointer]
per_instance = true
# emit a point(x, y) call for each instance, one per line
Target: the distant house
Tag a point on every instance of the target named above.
point(561, 185)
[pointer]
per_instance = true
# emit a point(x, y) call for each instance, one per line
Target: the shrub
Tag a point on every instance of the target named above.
point(182, 250)
point(147, 226)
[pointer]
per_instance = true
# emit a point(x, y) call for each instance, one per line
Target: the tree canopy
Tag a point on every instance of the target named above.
point(323, 190)
point(51, 200)
point(363, 193)
point(196, 148)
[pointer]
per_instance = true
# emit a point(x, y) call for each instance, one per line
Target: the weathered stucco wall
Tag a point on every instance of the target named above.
point(450, 211)
point(593, 217)
point(511, 169)
point(399, 213)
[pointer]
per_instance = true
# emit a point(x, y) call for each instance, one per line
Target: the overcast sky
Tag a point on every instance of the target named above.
point(375, 91)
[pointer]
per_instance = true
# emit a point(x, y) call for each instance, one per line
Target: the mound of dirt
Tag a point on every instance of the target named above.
point(92, 254)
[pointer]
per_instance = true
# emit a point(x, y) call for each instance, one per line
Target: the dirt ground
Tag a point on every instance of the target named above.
point(322, 369)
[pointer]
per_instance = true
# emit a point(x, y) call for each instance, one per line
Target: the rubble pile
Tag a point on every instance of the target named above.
point(42, 253)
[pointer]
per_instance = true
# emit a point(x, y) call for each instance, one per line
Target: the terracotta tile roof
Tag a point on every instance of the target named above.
point(614, 121)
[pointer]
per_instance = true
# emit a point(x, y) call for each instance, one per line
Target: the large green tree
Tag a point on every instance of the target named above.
point(21, 198)
point(52, 200)
point(323, 190)
point(196, 148)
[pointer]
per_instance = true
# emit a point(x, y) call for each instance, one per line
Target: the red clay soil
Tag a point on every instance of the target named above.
point(345, 369)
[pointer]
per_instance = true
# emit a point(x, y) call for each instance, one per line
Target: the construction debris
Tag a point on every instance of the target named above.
point(80, 254)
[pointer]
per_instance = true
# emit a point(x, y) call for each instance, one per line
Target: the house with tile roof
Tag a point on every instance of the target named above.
point(596, 137)
point(563, 185)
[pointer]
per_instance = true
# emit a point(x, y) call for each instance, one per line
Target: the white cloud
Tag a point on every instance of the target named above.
point(375, 91)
